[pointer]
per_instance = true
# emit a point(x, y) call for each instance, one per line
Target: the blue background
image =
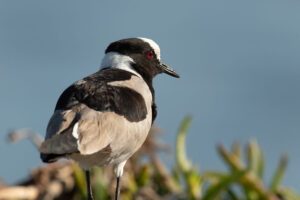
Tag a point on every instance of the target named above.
point(238, 60)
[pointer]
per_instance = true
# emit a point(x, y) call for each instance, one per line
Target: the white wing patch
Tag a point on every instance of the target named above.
point(114, 59)
point(75, 131)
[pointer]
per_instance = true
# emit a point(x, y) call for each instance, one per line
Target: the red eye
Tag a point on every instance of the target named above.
point(150, 54)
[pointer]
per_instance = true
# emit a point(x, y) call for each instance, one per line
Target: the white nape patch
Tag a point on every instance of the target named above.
point(154, 46)
point(75, 131)
point(119, 168)
point(114, 59)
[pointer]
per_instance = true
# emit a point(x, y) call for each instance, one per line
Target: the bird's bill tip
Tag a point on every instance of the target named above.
point(169, 70)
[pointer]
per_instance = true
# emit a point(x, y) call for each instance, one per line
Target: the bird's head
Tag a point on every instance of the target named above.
point(138, 55)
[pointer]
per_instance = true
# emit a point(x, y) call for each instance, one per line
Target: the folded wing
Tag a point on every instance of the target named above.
point(87, 110)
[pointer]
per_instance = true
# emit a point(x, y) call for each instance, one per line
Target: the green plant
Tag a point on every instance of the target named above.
point(147, 177)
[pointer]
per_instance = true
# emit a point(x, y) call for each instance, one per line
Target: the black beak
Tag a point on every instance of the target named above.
point(168, 70)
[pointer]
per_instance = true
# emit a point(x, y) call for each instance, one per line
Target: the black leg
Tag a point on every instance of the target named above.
point(117, 189)
point(88, 184)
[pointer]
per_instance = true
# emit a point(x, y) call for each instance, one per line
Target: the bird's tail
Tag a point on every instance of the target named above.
point(50, 158)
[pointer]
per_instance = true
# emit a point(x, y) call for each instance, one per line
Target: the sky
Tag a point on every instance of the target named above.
point(238, 60)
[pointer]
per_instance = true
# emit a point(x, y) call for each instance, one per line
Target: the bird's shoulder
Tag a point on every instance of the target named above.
point(98, 92)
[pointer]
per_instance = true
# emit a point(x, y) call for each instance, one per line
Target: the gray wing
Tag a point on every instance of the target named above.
point(59, 139)
point(92, 106)
point(74, 131)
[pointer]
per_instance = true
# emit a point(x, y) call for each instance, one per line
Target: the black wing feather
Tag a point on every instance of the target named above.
point(97, 94)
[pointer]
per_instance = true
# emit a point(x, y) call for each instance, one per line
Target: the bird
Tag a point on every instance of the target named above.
point(104, 118)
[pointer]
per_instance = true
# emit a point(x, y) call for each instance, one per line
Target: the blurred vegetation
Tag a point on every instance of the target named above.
point(147, 177)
